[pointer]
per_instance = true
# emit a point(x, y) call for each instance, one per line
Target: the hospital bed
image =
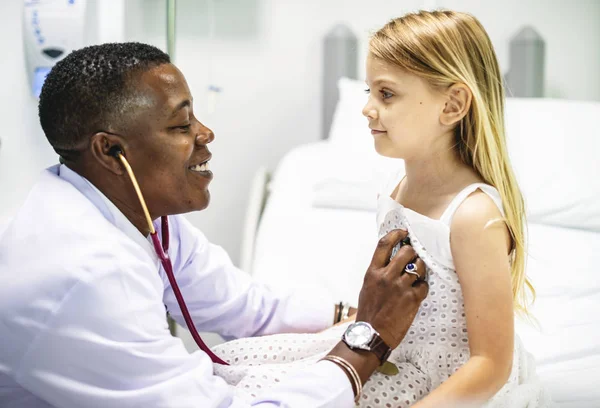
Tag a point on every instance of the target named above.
point(312, 222)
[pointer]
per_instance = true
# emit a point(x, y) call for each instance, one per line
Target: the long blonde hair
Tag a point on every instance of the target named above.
point(447, 47)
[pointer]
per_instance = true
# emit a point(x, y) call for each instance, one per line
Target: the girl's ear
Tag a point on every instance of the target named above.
point(458, 103)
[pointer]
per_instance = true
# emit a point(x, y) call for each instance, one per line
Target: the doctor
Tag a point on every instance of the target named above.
point(83, 293)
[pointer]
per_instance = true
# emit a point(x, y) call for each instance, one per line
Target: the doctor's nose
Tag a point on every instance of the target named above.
point(205, 136)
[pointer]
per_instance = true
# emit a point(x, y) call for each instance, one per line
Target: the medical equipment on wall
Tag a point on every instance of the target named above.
point(162, 250)
point(51, 30)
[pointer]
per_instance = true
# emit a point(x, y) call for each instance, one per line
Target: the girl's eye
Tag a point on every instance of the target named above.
point(367, 91)
point(385, 94)
point(184, 127)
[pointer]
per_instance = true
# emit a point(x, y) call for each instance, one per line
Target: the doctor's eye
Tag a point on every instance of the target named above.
point(184, 128)
point(367, 91)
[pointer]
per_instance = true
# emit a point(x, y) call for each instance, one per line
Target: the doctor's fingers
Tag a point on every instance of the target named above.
point(405, 255)
point(410, 271)
point(385, 246)
point(420, 289)
point(407, 284)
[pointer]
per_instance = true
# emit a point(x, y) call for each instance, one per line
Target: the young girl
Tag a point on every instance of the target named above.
point(437, 102)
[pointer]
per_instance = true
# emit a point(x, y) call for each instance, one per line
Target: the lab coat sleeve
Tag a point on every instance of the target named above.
point(223, 299)
point(107, 345)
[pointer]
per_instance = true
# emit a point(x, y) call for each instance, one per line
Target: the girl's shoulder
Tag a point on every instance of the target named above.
point(475, 199)
point(479, 218)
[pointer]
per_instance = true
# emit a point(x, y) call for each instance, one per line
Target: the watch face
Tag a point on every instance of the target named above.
point(359, 335)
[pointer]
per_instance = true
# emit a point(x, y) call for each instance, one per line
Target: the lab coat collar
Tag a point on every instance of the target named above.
point(105, 206)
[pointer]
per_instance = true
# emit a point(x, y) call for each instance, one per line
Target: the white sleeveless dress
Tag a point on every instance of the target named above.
point(435, 346)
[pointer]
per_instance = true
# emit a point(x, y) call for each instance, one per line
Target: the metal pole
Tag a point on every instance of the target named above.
point(171, 13)
point(171, 9)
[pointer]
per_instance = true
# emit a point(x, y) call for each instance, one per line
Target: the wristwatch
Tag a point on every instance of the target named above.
point(362, 336)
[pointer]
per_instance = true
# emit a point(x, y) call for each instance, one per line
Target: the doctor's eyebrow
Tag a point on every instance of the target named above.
point(181, 105)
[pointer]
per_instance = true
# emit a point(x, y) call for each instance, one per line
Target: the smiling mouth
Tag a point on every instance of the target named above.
point(200, 168)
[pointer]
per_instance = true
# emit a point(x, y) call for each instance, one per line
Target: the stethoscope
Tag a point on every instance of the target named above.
point(162, 252)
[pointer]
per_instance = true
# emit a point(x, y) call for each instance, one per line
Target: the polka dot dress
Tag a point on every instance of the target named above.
point(435, 347)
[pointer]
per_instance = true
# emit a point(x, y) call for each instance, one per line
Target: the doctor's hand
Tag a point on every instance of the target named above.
point(390, 297)
point(389, 301)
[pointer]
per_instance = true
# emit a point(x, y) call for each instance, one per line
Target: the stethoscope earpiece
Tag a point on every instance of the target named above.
point(115, 151)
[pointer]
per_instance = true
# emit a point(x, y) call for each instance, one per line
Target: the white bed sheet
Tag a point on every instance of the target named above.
point(563, 265)
point(298, 245)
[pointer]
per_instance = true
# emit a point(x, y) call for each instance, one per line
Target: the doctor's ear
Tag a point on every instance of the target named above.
point(458, 103)
point(105, 148)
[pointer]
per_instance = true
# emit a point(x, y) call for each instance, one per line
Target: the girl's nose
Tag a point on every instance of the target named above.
point(369, 112)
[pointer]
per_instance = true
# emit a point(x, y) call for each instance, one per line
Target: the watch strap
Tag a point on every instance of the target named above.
point(380, 348)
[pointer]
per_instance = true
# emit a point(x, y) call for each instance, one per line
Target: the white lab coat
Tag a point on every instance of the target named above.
point(82, 311)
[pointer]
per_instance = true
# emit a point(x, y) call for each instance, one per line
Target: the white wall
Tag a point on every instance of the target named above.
point(267, 59)
point(24, 150)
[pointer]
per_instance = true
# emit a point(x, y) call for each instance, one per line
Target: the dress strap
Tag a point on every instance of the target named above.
point(447, 216)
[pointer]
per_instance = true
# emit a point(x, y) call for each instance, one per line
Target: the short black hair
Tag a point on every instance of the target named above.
point(88, 89)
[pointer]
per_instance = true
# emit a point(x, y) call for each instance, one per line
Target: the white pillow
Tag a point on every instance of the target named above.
point(563, 266)
point(554, 147)
point(357, 172)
